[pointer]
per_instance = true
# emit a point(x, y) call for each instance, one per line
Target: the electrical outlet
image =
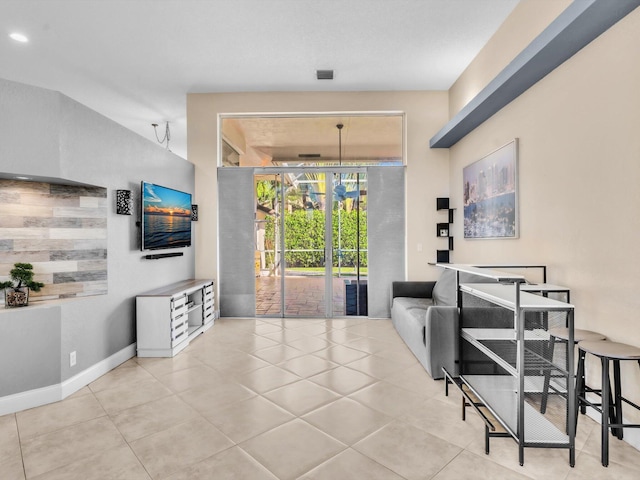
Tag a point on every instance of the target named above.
point(72, 359)
point(419, 247)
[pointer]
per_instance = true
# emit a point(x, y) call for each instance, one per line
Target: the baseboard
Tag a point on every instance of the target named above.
point(84, 378)
point(54, 393)
point(30, 399)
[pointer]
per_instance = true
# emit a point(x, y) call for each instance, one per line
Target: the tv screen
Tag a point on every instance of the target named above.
point(166, 217)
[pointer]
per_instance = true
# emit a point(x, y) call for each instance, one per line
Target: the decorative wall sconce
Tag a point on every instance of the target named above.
point(124, 202)
point(194, 213)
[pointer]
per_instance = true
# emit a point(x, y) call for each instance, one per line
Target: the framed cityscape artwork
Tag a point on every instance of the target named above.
point(490, 193)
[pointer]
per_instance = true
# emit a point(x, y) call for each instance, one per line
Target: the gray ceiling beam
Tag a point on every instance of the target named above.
point(579, 24)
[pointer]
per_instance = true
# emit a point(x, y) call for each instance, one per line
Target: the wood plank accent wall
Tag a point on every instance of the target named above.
point(61, 230)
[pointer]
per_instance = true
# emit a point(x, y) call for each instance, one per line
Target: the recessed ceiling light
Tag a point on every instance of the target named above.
point(23, 178)
point(18, 37)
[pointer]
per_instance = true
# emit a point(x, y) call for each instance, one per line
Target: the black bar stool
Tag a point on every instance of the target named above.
point(611, 408)
point(561, 335)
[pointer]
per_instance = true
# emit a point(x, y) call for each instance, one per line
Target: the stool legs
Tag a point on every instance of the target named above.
point(583, 383)
point(611, 405)
point(580, 386)
point(610, 408)
point(606, 404)
point(618, 431)
point(547, 376)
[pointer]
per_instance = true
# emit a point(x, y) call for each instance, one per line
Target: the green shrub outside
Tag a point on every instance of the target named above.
point(304, 230)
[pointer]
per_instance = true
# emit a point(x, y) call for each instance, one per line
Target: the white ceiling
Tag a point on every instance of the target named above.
point(134, 61)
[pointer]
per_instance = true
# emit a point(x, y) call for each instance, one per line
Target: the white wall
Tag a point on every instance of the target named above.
point(427, 170)
point(526, 22)
point(579, 175)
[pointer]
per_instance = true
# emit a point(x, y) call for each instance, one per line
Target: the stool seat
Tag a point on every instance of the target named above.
point(578, 334)
point(613, 350)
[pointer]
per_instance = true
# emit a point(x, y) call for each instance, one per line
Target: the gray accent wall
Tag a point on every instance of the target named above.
point(30, 130)
point(46, 134)
point(236, 215)
point(30, 349)
point(386, 227)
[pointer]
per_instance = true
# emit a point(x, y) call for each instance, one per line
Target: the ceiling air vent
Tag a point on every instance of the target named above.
point(324, 74)
point(308, 155)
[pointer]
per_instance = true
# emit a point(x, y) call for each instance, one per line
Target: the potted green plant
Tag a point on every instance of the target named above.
point(16, 290)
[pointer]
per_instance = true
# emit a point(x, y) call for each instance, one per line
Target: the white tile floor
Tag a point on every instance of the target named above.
point(293, 398)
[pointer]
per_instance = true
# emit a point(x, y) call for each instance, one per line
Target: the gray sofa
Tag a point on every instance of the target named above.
point(426, 317)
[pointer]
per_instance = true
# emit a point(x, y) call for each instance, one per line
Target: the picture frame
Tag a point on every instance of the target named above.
point(490, 195)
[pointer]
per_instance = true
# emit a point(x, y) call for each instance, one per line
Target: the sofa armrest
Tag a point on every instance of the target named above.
point(412, 289)
point(441, 340)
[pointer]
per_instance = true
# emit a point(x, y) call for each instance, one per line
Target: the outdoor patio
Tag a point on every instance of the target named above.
point(305, 296)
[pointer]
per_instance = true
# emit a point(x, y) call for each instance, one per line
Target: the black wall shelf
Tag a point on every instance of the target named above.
point(443, 230)
point(442, 256)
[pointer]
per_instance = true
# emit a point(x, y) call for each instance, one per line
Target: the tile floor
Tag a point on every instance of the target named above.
point(265, 399)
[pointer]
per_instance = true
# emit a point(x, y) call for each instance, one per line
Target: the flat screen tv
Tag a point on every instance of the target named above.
point(166, 217)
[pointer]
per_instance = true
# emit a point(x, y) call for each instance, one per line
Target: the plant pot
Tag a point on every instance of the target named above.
point(16, 297)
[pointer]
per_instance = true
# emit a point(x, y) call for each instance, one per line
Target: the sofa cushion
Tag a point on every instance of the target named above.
point(416, 308)
point(444, 292)
point(413, 289)
point(410, 302)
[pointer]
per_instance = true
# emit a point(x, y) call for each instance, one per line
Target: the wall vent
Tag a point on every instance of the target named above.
point(324, 74)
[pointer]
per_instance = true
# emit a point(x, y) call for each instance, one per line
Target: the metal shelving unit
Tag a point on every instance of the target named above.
point(507, 363)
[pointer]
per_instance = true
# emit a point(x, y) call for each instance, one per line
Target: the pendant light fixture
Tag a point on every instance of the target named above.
point(339, 127)
point(341, 190)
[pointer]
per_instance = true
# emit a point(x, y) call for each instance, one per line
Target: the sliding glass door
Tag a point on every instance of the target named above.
point(311, 242)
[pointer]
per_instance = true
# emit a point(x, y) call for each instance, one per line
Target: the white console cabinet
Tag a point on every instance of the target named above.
point(168, 317)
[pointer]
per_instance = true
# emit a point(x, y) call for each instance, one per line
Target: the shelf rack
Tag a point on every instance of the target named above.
point(505, 358)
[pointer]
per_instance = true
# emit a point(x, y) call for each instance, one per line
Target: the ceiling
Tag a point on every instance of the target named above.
point(134, 61)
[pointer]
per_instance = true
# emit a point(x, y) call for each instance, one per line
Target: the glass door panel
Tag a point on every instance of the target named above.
point(349, 262)
point(304, 244)
point(311, 239)
point(290, 244)
point(267, 237)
